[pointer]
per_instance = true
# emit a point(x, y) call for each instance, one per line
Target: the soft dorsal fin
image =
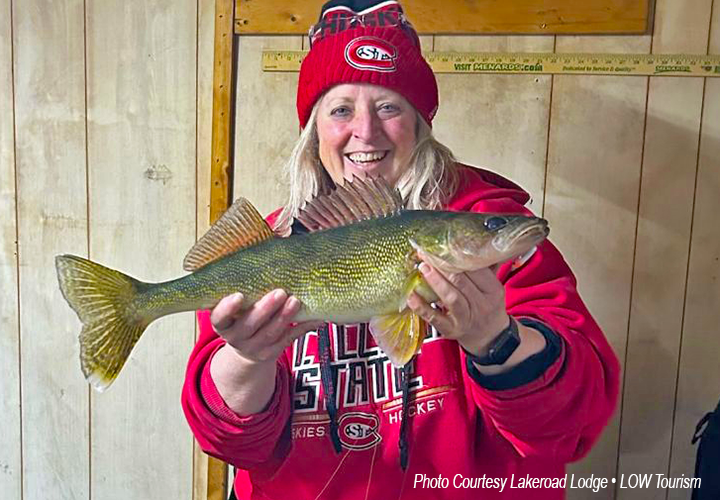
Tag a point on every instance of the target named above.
point(357, 199)
point(241, 226)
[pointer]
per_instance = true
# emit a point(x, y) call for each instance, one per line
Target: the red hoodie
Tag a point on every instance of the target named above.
point(470, 436)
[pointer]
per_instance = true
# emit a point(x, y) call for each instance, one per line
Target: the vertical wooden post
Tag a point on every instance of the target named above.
point(222, 109)
point(217, 487)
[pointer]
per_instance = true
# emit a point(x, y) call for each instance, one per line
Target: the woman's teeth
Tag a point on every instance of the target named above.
point(365, 158)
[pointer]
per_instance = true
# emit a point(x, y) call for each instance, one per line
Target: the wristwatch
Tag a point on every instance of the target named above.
point(501, 348)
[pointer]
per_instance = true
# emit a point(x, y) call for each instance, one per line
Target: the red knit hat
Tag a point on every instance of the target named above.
point(366, 41)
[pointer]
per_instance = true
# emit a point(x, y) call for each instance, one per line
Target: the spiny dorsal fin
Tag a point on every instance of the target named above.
point(241, 226)
point(357, 199)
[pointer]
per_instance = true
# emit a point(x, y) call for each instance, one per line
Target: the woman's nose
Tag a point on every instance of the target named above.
point(366, 125)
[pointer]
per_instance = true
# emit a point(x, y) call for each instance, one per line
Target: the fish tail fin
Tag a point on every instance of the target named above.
point(103, 300)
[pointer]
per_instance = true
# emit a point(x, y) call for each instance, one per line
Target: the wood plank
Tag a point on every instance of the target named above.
point(222, 107)
point(462, 16)
point(497, 122)
point(141, 151)
point(699, 373)
point(204, 104)
point(264, 136)
point(659, 276)
point(220, 171)
point(266, 123)
point(10, 438)
point(427, 42)
point(48, 45)
point(596, 134)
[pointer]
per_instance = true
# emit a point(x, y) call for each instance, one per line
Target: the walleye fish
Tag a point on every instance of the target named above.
point(358, 264)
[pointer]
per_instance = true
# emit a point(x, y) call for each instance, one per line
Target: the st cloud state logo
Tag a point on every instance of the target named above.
point(358, 431)
point(368, 52)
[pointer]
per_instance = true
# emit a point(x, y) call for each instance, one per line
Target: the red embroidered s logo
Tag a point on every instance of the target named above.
point(368, 52)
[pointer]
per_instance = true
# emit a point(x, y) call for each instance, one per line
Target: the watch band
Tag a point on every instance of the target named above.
point(501, 348)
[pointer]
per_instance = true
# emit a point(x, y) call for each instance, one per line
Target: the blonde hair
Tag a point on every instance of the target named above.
point(427, 184)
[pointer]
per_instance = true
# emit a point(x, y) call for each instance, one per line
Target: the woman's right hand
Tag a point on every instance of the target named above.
point(261, 332)
point(244, 369)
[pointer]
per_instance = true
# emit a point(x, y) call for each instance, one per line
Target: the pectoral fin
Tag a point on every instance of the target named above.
point(399, 335)
point(416, 283)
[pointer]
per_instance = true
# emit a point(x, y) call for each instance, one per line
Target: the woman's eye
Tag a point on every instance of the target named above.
point(340, 111)
point(389, 108)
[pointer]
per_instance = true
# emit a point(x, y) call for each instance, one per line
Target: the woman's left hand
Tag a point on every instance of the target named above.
point(473, 306)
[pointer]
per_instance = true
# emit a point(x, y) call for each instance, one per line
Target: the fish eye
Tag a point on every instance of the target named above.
point(495, 223)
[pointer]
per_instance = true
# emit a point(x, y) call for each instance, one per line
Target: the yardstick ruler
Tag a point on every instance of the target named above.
point(540, 63)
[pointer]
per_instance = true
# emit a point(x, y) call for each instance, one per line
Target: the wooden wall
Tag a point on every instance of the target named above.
point(104, 151)
point(537, 17)
point(626, 169)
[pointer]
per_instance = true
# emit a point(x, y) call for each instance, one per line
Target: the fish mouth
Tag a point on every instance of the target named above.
point(522, 238)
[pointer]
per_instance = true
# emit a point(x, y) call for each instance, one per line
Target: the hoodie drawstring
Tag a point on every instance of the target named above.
point(403, 440)
point(328, 382)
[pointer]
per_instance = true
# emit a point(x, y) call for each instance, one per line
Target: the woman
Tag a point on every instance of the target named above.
point(514, 380)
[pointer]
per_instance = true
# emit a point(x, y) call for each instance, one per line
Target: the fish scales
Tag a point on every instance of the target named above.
point(346, 274)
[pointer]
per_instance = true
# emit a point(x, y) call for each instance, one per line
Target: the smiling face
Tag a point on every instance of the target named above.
point(365, 128)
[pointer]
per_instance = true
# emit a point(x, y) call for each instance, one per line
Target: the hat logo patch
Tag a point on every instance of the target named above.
point(371, 53)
